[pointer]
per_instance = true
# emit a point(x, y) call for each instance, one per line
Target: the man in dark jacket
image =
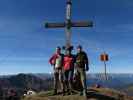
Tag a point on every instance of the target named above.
point(57, 62)
point(81, 67)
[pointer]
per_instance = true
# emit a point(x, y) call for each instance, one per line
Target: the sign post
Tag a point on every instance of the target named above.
point(104, 58)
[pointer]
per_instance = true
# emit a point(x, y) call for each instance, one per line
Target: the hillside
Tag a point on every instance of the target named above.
point(128, 89)
point(92, 94)
point(21, 83)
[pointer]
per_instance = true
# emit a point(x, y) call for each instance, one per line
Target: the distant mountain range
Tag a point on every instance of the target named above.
point(43, 82)
point(121, 82)
point(114, 80)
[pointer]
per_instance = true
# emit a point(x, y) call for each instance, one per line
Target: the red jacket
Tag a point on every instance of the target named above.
point(53, 59)
point(68, 62)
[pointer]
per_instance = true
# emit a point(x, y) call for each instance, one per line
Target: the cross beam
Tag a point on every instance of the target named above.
point(72, 24)
point(68, 24)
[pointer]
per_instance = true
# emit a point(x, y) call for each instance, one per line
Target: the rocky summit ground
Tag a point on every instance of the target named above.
point(92, 94)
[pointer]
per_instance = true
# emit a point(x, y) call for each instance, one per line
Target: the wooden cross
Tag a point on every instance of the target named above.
point(68, 24)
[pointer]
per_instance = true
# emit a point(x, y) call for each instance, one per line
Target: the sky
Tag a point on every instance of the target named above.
point(26, 46)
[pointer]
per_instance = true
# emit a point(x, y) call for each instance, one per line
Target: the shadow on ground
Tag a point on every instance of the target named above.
point(91, 95)
point(95, 95)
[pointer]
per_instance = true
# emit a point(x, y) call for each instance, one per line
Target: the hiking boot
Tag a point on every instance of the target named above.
point(63, 92)
point(81, 93)
point(55, 92)
point(69, 91)
point(84, 93)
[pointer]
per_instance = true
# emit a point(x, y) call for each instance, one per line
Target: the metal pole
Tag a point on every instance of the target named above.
point(105, 69)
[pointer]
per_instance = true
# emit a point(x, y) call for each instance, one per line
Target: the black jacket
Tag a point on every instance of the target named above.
point(81, 60)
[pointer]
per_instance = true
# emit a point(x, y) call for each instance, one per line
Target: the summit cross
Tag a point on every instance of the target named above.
point(68, 23)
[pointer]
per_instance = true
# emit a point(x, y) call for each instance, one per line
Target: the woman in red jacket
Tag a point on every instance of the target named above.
point(68, 66)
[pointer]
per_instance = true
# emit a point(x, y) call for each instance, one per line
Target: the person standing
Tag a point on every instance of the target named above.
point(68, 65)
point(82, 66)
point(57, 62)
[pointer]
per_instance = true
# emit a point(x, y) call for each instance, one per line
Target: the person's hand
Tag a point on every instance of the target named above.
point(87, 68)
point(53, 67)
point(75, 71)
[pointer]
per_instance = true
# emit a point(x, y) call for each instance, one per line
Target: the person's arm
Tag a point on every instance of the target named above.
point(75, 65)
point(51, 60)
point(74, 61)
point(86, 62)
point(62, 62)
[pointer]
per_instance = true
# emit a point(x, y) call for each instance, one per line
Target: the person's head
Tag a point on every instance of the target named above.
point(68, 52)
point(58, 50)
point(79, 48)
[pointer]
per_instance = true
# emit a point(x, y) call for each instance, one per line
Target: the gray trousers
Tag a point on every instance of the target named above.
point(82, 74)
point(58, 79)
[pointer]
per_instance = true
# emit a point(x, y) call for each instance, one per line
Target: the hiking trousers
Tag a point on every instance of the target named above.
point(82, 74)
point(68, 78)
point(58, 79)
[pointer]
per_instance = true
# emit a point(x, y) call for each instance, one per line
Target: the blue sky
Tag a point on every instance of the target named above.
point(25, 45)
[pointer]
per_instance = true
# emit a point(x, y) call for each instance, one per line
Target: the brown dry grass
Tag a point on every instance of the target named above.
point(93, 94)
